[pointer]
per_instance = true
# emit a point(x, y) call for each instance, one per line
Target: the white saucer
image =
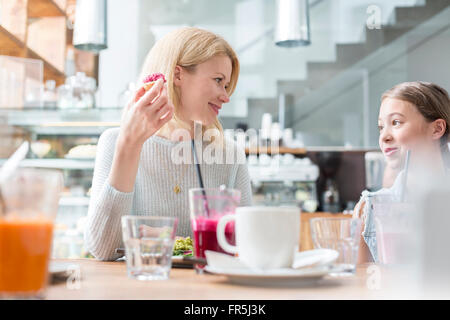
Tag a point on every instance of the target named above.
point(273, 277)
point(307, 268)
point(303, 259)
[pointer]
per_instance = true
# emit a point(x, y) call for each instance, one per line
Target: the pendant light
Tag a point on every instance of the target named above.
point(292, 24)
point(90, 25)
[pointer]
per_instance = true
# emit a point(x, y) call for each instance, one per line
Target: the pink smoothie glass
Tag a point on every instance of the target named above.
point(207, 206)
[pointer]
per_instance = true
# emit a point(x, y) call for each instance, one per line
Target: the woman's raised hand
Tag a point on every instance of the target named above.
point(146, 113)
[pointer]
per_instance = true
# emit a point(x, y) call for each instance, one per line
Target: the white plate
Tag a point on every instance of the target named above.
point(58, 268)
point(177, 261)
point(273, 277)
point(62, 269)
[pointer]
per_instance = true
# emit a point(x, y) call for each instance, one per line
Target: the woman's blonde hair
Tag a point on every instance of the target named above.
point(187, 47)
point(431, 100)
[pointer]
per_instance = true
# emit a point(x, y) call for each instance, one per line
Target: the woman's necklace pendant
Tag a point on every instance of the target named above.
point(176, 189)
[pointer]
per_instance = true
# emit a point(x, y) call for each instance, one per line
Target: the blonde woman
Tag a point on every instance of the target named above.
point(134, 169)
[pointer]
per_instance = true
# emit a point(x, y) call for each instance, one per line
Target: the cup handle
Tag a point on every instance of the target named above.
point(221, 233)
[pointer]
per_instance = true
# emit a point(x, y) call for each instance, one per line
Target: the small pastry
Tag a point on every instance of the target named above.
point(150, 80)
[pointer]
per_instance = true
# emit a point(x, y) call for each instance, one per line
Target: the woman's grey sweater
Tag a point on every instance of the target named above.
point(153, 192)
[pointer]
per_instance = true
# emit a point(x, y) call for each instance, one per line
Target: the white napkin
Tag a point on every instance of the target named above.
point(304, 259)
point(314, 258)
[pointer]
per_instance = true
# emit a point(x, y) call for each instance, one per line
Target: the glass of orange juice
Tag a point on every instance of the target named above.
point(30, 200)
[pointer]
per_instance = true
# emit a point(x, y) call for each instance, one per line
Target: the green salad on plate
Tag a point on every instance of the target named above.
point(183, 247)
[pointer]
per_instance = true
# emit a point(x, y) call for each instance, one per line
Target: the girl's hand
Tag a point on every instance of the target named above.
point(145, 114)
point(359, 209)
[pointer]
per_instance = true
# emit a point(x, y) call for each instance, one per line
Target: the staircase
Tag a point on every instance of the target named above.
point(402, 20)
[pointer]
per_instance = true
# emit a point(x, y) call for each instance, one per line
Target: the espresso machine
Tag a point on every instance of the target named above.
point(329, 163)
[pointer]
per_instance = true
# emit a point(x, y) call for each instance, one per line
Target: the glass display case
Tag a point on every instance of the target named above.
point(64, 140)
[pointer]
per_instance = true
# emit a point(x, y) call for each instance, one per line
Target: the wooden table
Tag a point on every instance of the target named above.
point(108, 280)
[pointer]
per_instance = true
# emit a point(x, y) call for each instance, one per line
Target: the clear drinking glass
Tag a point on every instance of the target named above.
point(207, 207)
point(29, 203)
point(149, 242)
point(342, 235)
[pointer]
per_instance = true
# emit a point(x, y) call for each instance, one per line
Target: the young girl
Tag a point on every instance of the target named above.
point(413, 116)
point(134, 170)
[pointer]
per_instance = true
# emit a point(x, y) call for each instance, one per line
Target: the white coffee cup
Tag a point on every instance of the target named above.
point(266, 237)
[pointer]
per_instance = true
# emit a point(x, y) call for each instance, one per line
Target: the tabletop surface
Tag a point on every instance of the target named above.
point(92, 279)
